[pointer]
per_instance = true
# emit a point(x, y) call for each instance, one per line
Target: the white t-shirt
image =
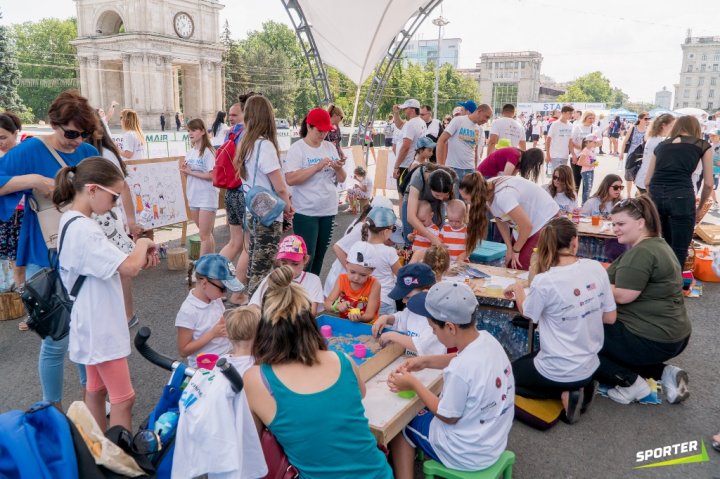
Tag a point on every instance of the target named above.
point(201, 193)
point(344, 243)
point(269, 162)
point(318, 195)
point(650, 146)
point(568, 303)
point(537, 126)
point(240, 363)
point(385, 258)
point(462, 144)
point(309, 281)
point(478, 388)
point(420, 331)
point(579, 133)
point(509, 128)
point(219, 138)
point(200, 317)
point(514, 191)
point(560, 133)
point(565, 203)
point(592, 205)
point(98, 325)
point(433, 129)
point(413, 129)
point(131, 142)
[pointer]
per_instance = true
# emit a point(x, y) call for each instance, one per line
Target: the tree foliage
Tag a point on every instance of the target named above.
point(592, 87)
point(10, 74)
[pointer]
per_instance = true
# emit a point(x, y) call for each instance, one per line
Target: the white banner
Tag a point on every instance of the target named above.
point(530, 108)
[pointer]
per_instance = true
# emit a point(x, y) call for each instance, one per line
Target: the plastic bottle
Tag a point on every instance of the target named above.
point(166, 425)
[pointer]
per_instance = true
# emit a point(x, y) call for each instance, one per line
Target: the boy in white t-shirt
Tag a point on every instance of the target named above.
point(467, 427)
point(200, 323)
point(557, 143)
point(411, 330)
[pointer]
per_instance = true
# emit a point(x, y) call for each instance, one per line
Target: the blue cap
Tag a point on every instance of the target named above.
point(412, 276)
point(446, 301)
point(382, 217)
point(216, 266)
point(469, 105)
point(424, 142)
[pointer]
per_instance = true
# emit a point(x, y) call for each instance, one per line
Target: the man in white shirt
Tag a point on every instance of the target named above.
point(559, 138)
point(433, 125)
point(506, 127)
point(412, 130)
point(457, 145)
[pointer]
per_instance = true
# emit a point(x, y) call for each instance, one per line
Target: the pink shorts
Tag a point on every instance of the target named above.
point(113, 376)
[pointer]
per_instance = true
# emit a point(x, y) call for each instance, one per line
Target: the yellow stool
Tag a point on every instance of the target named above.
point(502, 467)
point(193, 246)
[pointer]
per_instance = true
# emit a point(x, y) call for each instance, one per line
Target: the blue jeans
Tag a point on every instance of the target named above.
point(460, 172)
point(51, 363)
point(587, 182)
point(407, 227)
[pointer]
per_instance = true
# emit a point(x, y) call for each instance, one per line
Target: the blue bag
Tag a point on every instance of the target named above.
point(264, 205)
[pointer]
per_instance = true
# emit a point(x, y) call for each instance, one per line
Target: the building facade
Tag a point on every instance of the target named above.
point(699, 85)
point(509, 77)
point(663, 99)
point(423, 52)
point(153, 56)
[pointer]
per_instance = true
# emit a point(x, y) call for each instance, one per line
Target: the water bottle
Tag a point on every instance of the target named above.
point(166, 425)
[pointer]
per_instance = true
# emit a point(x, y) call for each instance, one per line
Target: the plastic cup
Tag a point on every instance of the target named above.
point(596, 220)
point(326, 331)
point(406, 394)
point(207, 360)
point(360, 350)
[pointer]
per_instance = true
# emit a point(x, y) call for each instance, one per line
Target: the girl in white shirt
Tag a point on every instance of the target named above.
point(562, 188)
point(201, 194)
point(99, 336)
point(378, 228)
point(133, 140)
point(570, 298)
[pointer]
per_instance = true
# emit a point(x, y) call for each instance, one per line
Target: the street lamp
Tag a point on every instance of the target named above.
point(440, 22)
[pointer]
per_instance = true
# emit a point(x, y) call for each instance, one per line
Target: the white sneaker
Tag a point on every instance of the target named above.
point(626, 395)
point(107, 408)
point(675, 384)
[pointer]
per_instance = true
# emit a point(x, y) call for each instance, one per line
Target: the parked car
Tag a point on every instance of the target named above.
point(282, 123)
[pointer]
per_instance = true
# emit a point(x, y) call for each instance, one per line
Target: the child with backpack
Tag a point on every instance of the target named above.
point(99, 335)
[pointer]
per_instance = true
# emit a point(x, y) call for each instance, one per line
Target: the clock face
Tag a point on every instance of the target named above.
point(183, 24)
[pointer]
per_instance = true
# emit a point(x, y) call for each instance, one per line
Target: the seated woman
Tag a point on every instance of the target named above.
point(511, 161)
point(562, 188)
point(302, 391)
point(652, 326)
point(605, 197)
point(570, 318)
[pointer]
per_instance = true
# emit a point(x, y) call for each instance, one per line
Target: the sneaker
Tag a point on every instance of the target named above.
point(572, 411)
point(107, 408)
point(588, 394)
point(626, 395)
point(675, 384)
point(134, 321)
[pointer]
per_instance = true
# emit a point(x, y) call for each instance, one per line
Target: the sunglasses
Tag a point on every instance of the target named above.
point(617, 187)
point(144, 442)
point(74, 134)
point(221, 287)
point(115, 196)
point(556, 178)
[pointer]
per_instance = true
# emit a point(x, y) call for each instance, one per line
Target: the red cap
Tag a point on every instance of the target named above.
point(320, 119)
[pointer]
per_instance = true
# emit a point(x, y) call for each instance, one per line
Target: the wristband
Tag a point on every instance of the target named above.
point(516, 252)
point(334, 306)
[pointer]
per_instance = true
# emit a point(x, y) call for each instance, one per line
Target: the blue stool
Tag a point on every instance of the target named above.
point(502, 467)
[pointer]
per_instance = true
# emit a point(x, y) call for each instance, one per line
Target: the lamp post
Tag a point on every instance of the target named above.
point(440, 22)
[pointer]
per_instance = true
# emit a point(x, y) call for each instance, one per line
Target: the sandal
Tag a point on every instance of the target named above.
point(716, 444)
point(22, 326)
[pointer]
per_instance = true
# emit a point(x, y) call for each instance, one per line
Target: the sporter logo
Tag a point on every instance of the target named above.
point(672, 450)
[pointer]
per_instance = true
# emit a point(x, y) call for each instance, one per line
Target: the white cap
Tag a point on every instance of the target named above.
point(411, 103)
point(381, 202)
point(362, 254)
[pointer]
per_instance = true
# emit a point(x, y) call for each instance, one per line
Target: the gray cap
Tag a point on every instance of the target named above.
point(446, 301)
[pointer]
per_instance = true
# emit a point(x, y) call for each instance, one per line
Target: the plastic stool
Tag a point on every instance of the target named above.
point(502, 467)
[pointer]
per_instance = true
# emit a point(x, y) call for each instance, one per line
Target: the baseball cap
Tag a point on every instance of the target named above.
point(446, 301)
point(215, 266)
point(409, 277)
point(382, 217)
point(457, 111)
point(715, 132)
point(292, 248)
point(411, 103)
point(469, 105)
point(362, 254)
point(381, 202)
point(424, 142)
point(320, 119)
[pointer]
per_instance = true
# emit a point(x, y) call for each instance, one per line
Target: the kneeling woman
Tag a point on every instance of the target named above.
point(571, 316)
point(653, 326)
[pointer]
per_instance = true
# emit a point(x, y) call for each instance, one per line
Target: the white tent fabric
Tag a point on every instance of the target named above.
point(353, 36)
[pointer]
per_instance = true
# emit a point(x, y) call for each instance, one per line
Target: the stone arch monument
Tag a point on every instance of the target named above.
point(153, 56)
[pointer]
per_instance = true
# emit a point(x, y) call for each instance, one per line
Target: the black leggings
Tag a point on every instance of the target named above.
point(577, 176)
point(625, 356)
point(529, 383)
point(676, 208)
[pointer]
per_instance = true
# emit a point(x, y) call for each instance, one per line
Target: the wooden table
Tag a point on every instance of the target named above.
point(387, 412)
point(598, 242)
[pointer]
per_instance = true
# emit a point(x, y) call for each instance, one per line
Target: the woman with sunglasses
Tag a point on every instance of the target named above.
point(634, 139)
point(562, 188)
point(670, 184)
point(29, 169)
point(605, 197)
point(652, 324)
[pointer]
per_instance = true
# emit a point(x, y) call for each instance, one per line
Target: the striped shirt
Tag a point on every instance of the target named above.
point(421, 243)
point(454, 240)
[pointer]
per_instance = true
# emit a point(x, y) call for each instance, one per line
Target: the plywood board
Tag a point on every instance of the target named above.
point(158, 189)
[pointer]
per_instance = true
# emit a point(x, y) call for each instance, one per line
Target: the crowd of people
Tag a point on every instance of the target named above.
point(256, 300)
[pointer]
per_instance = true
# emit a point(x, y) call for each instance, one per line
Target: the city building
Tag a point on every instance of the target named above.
point(663, 99)
point(424, 51)
point(509, 77)
point(699, 85)
point(152, 56)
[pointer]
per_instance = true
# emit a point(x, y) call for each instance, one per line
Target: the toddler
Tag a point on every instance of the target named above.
point(454, 230)
point(438, 258)
point(241, 325)
point(419, 242)
point(200, 323)
point(359, 194)
point(356, 295)
point(588, 161)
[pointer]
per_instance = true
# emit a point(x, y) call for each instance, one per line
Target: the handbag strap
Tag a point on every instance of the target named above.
point(53, 152)
point(257, 161)
point(80, 279)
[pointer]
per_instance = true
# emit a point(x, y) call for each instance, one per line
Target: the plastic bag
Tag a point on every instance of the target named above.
point(105, 452)
point(7, 280)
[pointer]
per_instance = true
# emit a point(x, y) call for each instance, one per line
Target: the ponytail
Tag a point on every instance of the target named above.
point(556, 235)
point(71, 179)
point(64, 191)
point(477, 188)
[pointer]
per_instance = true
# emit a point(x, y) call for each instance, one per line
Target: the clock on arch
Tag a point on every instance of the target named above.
point(184, 25)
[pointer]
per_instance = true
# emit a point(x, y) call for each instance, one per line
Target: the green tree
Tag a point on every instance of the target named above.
point(10, 74)
point(48, 63)
point(232, 74)
point(618, 99)
point(592, 87)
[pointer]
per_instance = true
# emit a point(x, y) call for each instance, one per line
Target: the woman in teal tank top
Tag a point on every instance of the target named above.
point(309, 397)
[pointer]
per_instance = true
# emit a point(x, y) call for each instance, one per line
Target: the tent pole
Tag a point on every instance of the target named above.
point(354, 116)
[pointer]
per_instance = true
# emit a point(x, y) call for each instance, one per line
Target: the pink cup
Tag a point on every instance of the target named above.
point(207, 360)
point(360, 350)
point(326, 331)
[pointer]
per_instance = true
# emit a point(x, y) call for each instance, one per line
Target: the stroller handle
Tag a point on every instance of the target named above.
point(231, 374)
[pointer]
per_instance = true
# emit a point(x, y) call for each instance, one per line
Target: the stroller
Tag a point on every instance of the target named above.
point(43, 443)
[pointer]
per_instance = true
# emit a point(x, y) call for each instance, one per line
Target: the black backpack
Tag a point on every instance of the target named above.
point(46, 299)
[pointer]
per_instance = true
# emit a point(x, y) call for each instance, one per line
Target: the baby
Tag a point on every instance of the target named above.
point(454, 230)
point(421, 243)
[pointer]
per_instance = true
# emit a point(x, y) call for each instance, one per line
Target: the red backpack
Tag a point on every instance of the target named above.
point(224, 174)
